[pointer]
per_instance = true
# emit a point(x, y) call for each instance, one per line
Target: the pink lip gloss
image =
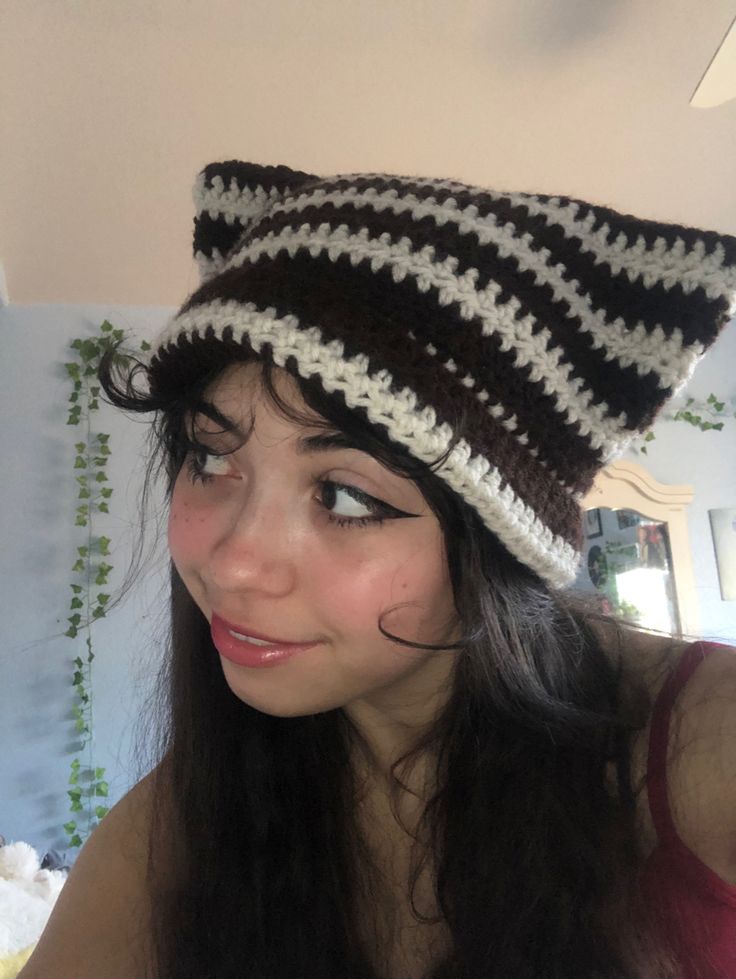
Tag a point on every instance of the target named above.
point(246, 653)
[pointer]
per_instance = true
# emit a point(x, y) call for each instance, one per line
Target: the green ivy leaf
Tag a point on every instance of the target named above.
point(106, 492)
point(718, 426)
point(103, 438)
point(94, 404)
point(83, 551)
point(100, 478)
point(69, 828)
point(104, 449)
point(75, 619)
point(103, 508)
point(100, 460)
point(76, 603)
point(98, 612)
point(101, 811)
point(80, 446)
point(84, 494)
point(74, 794)
point(104, 544)
point(99, 772)
point(76, 589)
point(145, 345)
point(80, 522)
point(77, 678)
point(75, 840)
point(101, 788)
point(71, 632)
point(102, 598)
point(79, 566)
point(78, 662)
point(80, 463)
point(106, 327)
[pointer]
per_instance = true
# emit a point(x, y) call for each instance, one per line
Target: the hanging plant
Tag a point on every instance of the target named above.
point(91, 569)
point(708, 415)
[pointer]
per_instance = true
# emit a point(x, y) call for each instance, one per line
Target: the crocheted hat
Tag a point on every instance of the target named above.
point(560, 326)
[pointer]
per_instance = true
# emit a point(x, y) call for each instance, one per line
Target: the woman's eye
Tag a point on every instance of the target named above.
point(347, 505)
point(204, 467)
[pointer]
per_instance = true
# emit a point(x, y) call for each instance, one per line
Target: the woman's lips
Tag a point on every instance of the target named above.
point(245, 630)
point(245, 653)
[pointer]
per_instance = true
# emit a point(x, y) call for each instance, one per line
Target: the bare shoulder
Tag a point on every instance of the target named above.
point(701, 753)
point(701, 766)
point(99, 926)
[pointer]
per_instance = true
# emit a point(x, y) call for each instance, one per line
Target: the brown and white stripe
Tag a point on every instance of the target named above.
point(560, 326)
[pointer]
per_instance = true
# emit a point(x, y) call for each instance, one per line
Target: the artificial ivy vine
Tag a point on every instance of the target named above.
point(705, 415)
point(91, 568)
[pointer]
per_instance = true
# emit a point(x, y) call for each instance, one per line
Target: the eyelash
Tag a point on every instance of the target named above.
point(195, 466)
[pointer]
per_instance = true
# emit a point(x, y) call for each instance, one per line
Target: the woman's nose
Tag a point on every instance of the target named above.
point(255, 552)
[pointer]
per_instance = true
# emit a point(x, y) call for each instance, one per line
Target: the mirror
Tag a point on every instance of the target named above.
point(636, 553)
point(627, 561)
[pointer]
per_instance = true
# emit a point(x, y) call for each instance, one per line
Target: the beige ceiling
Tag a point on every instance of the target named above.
point(108, 108)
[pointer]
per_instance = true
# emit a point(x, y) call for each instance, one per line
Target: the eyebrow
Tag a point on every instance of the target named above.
point(325, 442)
point(305, 444)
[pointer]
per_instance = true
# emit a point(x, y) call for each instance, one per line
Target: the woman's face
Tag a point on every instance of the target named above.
point(260, 544)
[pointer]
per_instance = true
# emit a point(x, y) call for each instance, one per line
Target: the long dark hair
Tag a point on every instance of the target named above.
point(267, 874)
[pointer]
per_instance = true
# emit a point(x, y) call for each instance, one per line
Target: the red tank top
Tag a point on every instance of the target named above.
point(697, 908)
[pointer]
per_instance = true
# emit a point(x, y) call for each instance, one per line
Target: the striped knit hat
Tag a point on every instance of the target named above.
point(560, 326)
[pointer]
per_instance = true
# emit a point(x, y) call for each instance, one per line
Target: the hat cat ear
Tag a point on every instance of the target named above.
point(228, 198)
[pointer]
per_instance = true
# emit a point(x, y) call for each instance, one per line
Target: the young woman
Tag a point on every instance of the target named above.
point(393, 745)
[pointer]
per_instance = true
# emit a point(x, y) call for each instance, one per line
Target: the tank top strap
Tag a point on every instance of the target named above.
point(659, 805)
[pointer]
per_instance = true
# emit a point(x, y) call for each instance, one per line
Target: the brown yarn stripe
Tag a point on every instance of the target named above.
point(673, 308)
point(693, 313)
point(254, 175)
point(481, 356)
point(319, 297)
point(609, 380)
point(631, 225)
point(211, 233)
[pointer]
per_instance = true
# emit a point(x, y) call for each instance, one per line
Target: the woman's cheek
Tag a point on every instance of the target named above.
point(188, 530)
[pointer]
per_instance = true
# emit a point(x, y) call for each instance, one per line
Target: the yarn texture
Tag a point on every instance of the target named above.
point(559, 327)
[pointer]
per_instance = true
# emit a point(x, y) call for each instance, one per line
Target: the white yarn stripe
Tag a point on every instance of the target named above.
point(666, 264)
point(232, 203)
point(473, 477)
point(572, 399)
point(496, 410)
point(646, 351)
